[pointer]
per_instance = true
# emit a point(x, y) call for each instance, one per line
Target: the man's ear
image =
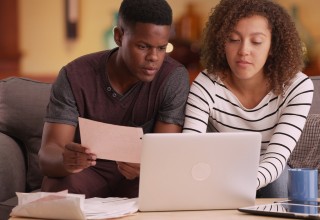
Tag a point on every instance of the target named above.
point(117, 35)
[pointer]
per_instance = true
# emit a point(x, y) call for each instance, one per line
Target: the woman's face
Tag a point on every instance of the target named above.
point(247, 48)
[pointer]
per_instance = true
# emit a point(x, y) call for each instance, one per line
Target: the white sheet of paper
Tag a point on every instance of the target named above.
point(49, 206)
point(112, 207)
point(63, 205)
point(111, 142)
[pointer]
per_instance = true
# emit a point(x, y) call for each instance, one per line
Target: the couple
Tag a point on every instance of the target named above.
point(252, 81)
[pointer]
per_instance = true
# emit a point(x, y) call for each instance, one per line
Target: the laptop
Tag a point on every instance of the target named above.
point(193, 171)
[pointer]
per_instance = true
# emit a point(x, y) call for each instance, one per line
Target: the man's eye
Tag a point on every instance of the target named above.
point(142, 47)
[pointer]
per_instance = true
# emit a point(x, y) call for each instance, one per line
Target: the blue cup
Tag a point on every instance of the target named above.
point(303, 184)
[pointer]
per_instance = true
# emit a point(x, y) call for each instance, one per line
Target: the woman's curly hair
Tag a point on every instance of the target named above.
point(286, 52)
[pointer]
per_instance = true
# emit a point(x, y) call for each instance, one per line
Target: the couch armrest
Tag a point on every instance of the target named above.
point(23, 105)
point(12, 168)
point(307, 151)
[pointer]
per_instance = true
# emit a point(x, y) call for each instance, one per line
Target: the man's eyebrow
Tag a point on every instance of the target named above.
point(149, 45)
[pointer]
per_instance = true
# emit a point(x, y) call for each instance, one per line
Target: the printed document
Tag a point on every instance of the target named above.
point(111, 142)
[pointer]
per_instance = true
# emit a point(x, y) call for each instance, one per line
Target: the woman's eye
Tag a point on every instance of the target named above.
point(234, 40)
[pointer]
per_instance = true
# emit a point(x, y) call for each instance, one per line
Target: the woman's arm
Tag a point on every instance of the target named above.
point(200, 99)
point(287, 132)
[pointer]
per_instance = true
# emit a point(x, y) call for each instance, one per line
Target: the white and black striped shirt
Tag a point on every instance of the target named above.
point(280, 119)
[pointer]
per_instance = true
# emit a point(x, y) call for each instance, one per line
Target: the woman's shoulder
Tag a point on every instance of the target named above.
point(302, 80)
point(300, 83)
point(208, 85)
point(205, 77)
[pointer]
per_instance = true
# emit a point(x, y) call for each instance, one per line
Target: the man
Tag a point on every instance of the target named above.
point(136, 84)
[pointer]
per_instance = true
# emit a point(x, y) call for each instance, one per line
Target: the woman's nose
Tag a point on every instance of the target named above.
point(244, 49)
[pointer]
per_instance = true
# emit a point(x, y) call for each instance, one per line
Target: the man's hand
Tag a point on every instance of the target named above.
point(129, 170)
point(76, 158)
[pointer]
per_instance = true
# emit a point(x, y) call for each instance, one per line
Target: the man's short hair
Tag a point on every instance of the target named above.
point(145, 11)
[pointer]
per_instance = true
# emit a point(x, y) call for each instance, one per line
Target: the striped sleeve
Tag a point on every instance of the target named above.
point(198, 105)
point(296, 105)
point(279, 119)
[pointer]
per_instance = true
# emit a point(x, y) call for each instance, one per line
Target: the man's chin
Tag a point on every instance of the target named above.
point(147, 78)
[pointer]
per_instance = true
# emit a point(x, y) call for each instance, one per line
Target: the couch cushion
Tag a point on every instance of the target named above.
point(6, 207)
point(12, 168)
point(22, 108)
point(307, 152)
point(315, 107)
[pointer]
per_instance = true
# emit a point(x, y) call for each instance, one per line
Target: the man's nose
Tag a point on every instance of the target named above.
point(153, 54)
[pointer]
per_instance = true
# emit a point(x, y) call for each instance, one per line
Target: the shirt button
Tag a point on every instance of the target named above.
point(114, 95)
point(108, 89)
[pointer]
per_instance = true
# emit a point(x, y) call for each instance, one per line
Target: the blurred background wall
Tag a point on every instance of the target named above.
point(35, 41)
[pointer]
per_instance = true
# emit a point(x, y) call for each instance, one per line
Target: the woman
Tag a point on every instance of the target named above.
point(252, 81)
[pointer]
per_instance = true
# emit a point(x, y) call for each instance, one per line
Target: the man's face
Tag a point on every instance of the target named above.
point(143, 48)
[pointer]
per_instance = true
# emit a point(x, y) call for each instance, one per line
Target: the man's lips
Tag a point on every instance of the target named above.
point(150, 70)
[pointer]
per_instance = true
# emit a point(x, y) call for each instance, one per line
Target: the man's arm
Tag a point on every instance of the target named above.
point(162, 127)
point(59, 155)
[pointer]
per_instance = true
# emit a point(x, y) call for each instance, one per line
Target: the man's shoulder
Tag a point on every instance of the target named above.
point(171, 67)
point(173, 76)
point(171, 62)
point(88, 59)
point(88, 65)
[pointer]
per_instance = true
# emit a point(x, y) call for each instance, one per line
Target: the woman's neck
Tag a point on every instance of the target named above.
point(249, 92)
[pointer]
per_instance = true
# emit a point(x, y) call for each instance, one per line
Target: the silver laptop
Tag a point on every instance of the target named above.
point(181, 171)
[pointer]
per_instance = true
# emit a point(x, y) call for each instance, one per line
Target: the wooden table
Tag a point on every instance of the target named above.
point(203, 215)
point(195, 215)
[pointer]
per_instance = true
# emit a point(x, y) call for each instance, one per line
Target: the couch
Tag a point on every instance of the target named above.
point(22, 109)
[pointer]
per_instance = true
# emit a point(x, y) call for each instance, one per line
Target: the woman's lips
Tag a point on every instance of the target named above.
point(243, 63)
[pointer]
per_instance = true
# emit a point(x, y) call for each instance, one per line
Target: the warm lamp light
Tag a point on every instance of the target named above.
point(169, 48)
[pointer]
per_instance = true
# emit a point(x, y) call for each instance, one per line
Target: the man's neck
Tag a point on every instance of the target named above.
point(118, 74)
